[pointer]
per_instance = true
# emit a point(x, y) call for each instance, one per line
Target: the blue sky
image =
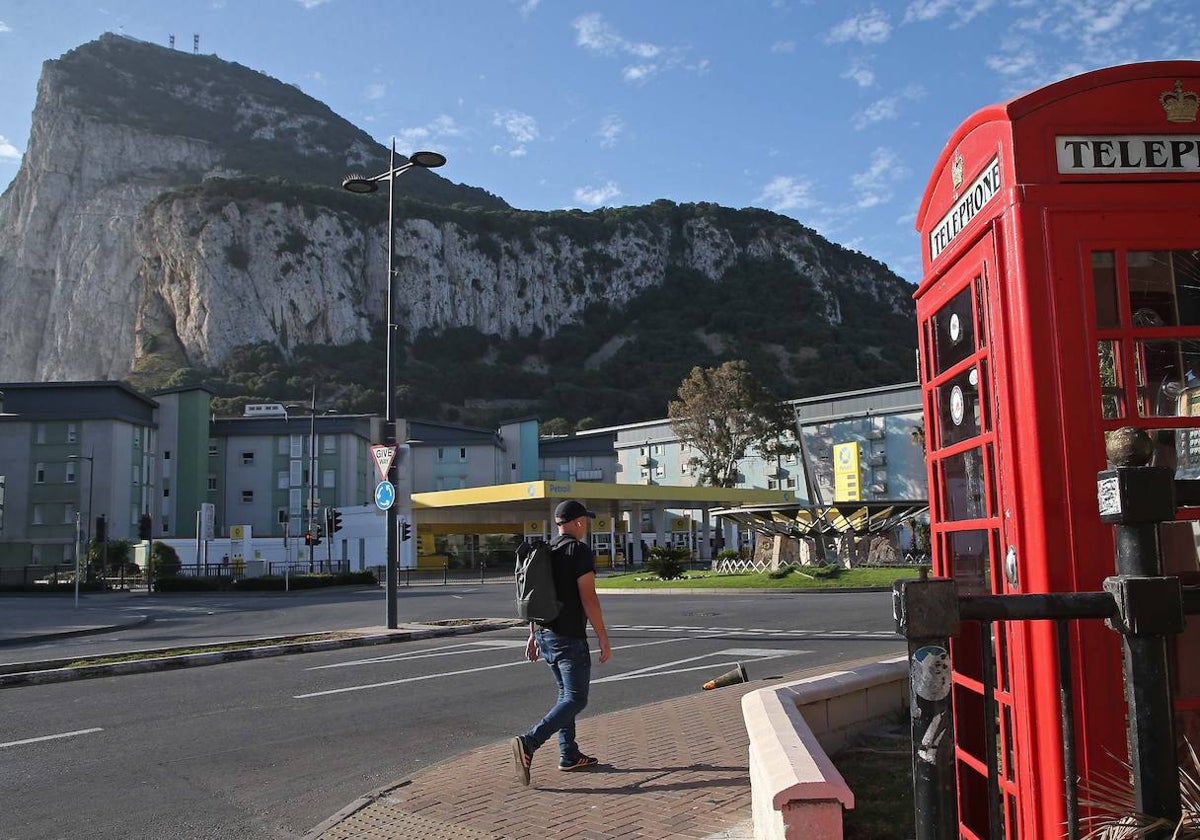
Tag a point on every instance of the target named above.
point(830, 112)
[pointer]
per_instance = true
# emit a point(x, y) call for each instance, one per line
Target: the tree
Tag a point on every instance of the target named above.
point(722, 414)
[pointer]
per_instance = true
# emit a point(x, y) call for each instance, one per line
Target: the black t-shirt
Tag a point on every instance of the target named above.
point(572, 560)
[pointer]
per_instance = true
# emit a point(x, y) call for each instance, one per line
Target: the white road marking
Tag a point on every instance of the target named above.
point(52, 737)
point(449, 650)
point(424, 677)
point(745, 654)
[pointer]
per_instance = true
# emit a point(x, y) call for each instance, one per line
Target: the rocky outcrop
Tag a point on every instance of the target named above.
point(149, 221)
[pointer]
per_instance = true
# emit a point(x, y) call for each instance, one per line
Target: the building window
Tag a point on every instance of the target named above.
point(70, 472)
point(166, 454)
point(212, 484)
point(248, 497)
point(39, 474)
point(772, 484)
point(282, 444)
point(282, 480)
point(642, 451)
point(37, 515)
point(248, 459)
point(35, 558)
point(137, 478)
point(71, 434)
point(656, 449)
point(296, 446)
point(166, 492)
point(137, 438)
point(328, 444)
point(660, 471)
point(328, 478)
point(282, 516)
point(645, 472)
point(69, 514)
point(462, 453)
point(39, 433)
point(166, 525)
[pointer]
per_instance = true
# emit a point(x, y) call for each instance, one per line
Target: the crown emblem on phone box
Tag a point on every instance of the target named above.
point(1180, 105)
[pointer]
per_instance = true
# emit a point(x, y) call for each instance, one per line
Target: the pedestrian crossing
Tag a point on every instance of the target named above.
point(725, 632)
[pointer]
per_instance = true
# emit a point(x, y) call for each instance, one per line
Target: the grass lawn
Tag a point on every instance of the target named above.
point(878, 768)
point(811, 578)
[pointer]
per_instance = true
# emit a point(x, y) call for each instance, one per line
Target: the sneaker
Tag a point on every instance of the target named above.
point(578, 764)
point(521, 760)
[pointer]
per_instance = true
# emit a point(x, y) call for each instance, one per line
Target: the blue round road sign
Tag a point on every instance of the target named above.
point(385, 495)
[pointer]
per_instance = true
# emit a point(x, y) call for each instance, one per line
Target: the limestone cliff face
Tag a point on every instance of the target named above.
point(150, 219)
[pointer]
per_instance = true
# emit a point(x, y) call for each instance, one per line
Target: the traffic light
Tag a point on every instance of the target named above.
point(312, 539)
point(405, 531)
point(335, 520)
point(101, 528)
point(144, 526)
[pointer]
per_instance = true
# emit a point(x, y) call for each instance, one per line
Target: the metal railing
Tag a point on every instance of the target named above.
point(1139, 602)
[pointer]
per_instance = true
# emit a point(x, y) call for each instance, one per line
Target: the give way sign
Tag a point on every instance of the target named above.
point(383, 455)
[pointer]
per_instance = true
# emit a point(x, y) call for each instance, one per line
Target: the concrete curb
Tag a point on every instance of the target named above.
point(354, 807)
point(66, 634)
point(52, 671)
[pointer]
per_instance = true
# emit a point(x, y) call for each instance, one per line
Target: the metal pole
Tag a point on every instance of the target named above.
point(926, 613)
point(312, 473)
point(389, 420)
point(1135, 499)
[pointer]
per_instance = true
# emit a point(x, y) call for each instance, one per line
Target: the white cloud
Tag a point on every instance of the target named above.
point(925, 10)
point(639, 72)
point(377, 90)
point(595, 196)
point(860, 74)
point(596, 35)
point(877, 111)
point(783, 47)
point(4, 27)
point(873, 186)
point(887, 108)
point(610, 131)
point(528, 7)
point(312, 4)
point(786, 193)
point(8, 152)
point(872, 27)
point(521, 129)
point(435, 133)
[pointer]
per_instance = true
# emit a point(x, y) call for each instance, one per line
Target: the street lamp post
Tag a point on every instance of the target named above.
point(365, 184)
point(91, 484)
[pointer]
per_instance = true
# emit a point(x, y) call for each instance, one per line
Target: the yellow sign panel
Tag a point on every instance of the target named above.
point(237, 532)
point(681, 523)
point(534, 527)
point(602, 525)
point(847, 481)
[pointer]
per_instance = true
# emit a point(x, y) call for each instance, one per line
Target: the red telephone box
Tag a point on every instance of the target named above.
point(1060, 300)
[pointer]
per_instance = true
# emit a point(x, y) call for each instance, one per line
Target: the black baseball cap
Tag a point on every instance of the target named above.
point(571, 509)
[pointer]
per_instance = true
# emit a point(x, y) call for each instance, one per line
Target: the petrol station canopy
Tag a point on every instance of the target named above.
point(537, 499)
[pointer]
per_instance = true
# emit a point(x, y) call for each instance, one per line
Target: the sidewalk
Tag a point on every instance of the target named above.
point(678, 768)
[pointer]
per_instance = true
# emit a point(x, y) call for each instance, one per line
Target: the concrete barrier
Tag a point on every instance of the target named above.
point(796, 790)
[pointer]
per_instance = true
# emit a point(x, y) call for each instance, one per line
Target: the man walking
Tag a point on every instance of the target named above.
point(563, 642)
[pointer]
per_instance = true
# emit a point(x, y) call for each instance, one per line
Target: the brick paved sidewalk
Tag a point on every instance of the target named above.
point(677, 768)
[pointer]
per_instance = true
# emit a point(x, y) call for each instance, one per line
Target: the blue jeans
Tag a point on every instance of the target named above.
point(571, 662)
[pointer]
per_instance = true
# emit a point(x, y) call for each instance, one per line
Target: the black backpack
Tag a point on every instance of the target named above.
point(537, 599)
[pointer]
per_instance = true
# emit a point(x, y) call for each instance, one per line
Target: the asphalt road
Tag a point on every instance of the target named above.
point(269, 748)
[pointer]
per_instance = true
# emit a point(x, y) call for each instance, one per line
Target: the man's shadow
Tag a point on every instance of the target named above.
point(737, 776)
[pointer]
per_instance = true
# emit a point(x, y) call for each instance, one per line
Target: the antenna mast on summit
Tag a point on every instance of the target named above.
point(171, 41)
point(196, 44)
